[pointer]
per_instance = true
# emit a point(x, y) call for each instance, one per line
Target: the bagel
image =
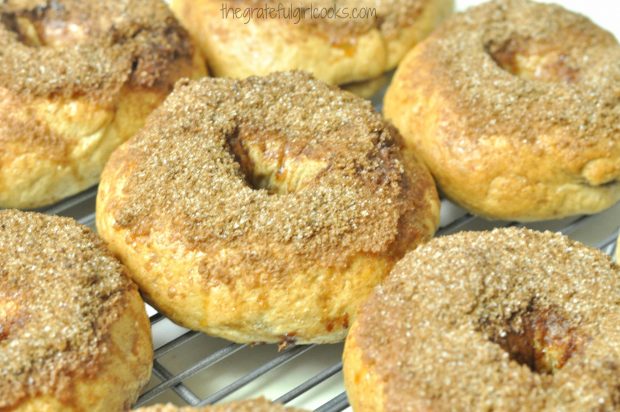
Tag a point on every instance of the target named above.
point(367, 88)
point(337, 50)
point(77, 78)
point(264, 209)
point(514, 107)
point(510, 320)
point(258, 405)
point(74, 335)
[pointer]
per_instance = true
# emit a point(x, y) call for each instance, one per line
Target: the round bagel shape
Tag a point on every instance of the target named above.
point(264, 209)
point(74, 334)
point(78, 78)
point(514, 107)
point(511, 320)
point(337, 50)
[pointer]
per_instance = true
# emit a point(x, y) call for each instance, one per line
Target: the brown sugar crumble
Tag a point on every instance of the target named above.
point(73, 47)
point(59, 291)
point(333, 182)
point(440, 330)
point(527, 68)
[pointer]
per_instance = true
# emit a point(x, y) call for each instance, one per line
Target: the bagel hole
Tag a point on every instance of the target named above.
point(541, 339)
point(525, 59)
point(256, 180)
point(24, 29)
point(268, 162)
point(35, 29)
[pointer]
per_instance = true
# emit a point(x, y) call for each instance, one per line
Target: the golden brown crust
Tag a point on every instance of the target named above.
point(89, 47)
point(73, 329)
point(256, 405)
point(367, 88)
point(519, 118)
point(305, 183)
point(364, 388)
point(53, 148)
point(91, 88)
point(335, 50)
point(505, 320)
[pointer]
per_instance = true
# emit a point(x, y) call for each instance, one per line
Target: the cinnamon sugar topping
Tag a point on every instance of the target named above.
point(281, 172)
point(529, 70)
point(454, 326)
point(68, 47)
point(59, 290)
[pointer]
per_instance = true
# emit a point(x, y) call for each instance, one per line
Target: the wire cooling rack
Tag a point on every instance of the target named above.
point(192, 368)
point(195, 369)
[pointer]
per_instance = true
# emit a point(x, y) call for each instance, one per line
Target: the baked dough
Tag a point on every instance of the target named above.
point(514, 107)
point(508, 320)
point(74, 334)
point(367, 88)
point(265, 209)
point(336, 50)
point(78, 78)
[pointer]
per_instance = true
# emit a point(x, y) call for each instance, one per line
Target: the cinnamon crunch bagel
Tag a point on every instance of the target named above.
point(74, 335)
point(357, 42)
point(266, 209)
point(514, 106)
point(508, 320)
point(77, 78)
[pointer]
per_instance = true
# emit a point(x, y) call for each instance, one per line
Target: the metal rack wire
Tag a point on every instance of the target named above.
point(177, 383)
point(169, 382)
point(81, 207)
